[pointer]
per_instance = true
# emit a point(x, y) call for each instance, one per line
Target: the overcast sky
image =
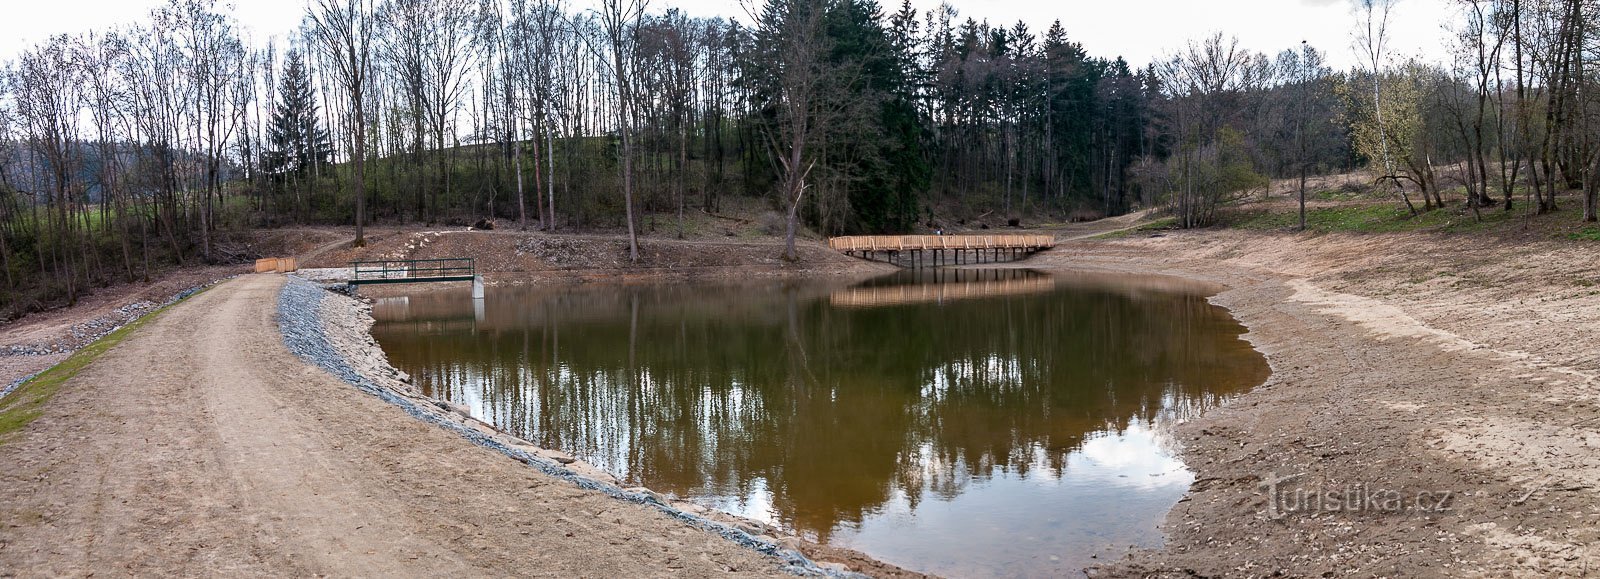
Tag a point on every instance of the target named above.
point(1139, 30)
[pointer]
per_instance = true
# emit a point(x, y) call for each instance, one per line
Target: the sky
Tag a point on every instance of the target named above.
point(1138, 30)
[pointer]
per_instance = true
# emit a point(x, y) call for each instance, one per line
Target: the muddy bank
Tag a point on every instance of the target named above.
point(1431, 412)
point(332, 331)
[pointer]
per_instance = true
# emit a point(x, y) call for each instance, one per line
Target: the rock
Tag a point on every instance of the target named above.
point(834, 567)
point(589, 472)
point(754, 528)
point(649, 493)
point(558, 456)
point(790, 543)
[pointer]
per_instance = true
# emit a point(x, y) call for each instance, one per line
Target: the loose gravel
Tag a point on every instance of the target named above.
point(18, 382)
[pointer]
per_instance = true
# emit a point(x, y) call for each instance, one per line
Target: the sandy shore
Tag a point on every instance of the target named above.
point(1431, 411)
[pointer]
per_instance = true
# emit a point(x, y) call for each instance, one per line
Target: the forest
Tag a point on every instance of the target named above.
point(154, 144)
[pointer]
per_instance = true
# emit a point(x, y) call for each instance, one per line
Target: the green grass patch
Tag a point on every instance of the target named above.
point(1585, 234)
point(26, 403)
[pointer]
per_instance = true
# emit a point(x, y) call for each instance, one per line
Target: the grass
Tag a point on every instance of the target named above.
point(22, 406)
point(1340, 195)
point(1162, 224)
point(1370, 218)
point(1585, 234)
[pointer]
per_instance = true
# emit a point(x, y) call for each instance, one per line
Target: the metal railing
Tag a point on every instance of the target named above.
point(414, 270)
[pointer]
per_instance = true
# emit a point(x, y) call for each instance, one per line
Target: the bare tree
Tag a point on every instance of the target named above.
point(49, 95)
point(1479, 53)
point(1372, 42)
point(620, 19)
point(344, 30)
point(791, 33)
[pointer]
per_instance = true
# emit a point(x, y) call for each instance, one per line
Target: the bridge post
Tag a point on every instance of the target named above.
point(477, 287)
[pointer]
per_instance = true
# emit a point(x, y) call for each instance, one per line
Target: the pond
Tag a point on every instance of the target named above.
point(955, 422)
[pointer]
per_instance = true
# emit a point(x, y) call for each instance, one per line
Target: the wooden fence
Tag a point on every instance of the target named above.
point(277, 265)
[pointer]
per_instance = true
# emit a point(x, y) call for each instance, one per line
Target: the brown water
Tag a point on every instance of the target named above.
point(974, 423)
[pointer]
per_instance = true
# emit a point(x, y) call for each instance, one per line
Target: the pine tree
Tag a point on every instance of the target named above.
point(884, 158)
point(296, 142)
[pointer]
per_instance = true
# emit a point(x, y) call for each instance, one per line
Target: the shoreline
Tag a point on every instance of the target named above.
point(1400, 363)
point(337, 338)
point(1385, 441)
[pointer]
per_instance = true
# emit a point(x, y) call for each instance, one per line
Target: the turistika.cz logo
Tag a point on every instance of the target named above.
point(1284, 499)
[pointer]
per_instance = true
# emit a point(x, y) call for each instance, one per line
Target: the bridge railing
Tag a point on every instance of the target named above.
point(414, 270)
point(923, 242)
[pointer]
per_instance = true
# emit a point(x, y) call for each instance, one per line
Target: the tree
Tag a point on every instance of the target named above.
point(344, 29)
point(879, 147)
point(791, 41)
point(1312, 114)
point(621, 21)
point(49, 97)
point(296, 140)
point(1207, 83)
point(1372, 41)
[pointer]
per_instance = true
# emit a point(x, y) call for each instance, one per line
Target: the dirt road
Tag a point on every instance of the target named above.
point(201, 446)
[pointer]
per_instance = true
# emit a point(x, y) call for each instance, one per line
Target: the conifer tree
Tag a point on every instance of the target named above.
point(297, 145)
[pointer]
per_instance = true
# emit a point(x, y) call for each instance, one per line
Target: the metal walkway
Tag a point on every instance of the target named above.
point(414, 270)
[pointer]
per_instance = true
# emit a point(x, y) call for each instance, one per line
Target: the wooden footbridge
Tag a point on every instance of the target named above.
point(936, 250)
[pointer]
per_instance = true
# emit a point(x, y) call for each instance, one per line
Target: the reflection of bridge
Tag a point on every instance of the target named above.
point(935, 250)
point(889, 295)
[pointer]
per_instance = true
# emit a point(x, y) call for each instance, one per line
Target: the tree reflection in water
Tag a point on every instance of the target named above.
point(820, 407)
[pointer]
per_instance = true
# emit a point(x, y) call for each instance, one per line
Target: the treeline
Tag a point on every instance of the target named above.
point(1511, 115)
point(122, 151)
point(125, 150)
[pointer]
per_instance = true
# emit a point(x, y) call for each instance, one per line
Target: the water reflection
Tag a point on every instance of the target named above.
point(971, 423)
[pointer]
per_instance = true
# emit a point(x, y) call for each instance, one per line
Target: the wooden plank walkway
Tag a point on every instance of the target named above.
point(936, 250)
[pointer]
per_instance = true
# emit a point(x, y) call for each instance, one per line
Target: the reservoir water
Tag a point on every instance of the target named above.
point(960, 422)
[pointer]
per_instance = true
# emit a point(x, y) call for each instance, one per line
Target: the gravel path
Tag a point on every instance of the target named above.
point(202, 446)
